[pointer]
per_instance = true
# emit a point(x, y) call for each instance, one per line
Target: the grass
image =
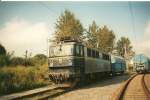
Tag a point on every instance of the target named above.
point(20, 78)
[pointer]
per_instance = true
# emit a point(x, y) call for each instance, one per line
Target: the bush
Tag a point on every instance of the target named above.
point(4, 60)
point(39, 59)
point(15, 79)
point(2, 50)
point(15, 61)
point(4, 57)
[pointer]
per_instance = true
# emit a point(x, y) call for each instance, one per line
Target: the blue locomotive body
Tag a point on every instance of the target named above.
point(118, 64)
point(141, 63)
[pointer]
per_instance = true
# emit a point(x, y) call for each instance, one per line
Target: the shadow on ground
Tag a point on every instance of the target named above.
point(107, 81)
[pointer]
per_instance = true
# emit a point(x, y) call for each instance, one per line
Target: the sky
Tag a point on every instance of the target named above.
point(29, 25)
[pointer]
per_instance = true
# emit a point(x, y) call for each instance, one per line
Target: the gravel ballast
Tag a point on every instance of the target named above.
point(101, 90)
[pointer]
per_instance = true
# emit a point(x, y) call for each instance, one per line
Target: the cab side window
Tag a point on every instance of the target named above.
point(51, 52)
point(82, 50)
point(79, 50)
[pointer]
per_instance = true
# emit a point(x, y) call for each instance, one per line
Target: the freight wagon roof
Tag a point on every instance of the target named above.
point(115, 59)
point(140, 58)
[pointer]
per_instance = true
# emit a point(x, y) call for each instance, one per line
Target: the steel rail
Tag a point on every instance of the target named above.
point(29, 93)
point(52, 95)
point(145, 88)
point(122, 90)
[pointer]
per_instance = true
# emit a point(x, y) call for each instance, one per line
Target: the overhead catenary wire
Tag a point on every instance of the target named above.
point(51, 12)
point(132, 19)
point(48, 8)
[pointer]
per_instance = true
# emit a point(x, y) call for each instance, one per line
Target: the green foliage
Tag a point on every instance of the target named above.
point(106, 39)
point(2, 50)
point(68, 27)
point(17, 61)
point(14, 78)
point(92, 35)
point(124, 44)
point(101, 38)
point(5, 60)
point(39, 59)
point(20, 78)
point(22, 61)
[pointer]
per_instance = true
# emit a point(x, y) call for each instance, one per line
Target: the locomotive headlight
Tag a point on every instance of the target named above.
point(60, 61)
point(51, 64)
point(69, 61)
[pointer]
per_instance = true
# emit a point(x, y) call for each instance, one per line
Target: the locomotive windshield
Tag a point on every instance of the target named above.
point(61, 50)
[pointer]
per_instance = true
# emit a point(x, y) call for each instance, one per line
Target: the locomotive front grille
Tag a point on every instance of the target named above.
point(61, 75)
point(60, 62)
point(139, 66)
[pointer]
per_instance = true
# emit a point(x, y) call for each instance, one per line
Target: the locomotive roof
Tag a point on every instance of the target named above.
point(75, 42)
point(66, 42)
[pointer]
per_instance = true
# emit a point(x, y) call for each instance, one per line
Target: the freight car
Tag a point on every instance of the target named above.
point(141, 63)
point(71, 62)
point(118, 64)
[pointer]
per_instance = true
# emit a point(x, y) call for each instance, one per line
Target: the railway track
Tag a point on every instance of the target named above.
point(135, 88)
point(38, 94)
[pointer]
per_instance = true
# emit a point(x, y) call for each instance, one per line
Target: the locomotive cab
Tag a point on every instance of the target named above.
point(140, 67)
point(65, 62)
point(141, 63)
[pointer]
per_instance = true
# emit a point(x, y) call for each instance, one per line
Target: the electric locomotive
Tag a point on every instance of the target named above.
point(71, 62)
point(141, 63)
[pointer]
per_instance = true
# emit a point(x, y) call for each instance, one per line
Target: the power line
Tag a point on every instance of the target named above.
point(51, 12)
point(132, 18)
point(47, 7)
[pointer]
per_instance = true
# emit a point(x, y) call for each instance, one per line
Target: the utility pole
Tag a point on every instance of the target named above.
point(126, 56)
point(26, 56)
point(125, 51)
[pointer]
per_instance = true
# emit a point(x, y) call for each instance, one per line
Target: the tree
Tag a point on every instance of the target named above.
point(124, 47)
point(4, 56)
point(40, 56)
point(92, 35)
point(106, 39)
point(17, 61)
point(39, 59)
point(2, 50)
point(68, 27)
point(101, 38)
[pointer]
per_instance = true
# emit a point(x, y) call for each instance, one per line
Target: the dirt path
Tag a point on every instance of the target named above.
point(101, 90)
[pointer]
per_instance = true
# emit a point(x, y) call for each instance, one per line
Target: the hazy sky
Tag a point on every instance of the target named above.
point(28, 25)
